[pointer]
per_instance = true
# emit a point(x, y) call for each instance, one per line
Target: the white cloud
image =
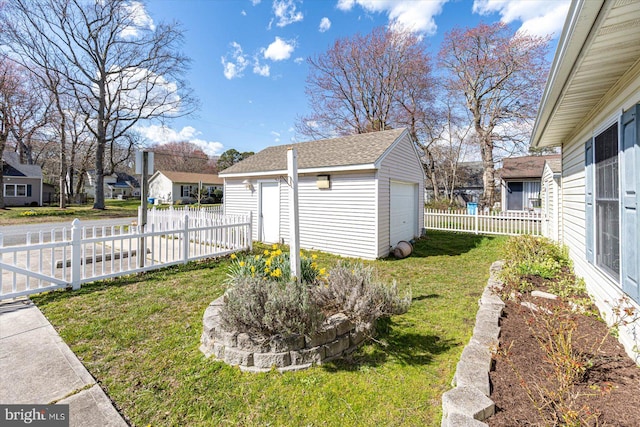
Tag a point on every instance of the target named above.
point(255, 2)
point(234, 62)
point(279, 50)
point(286, 13)
point(325, 24)
point(299, 60)
point(161, 134)
point(538, 17)
point(412, 15)
point(262, 70)
point(243, 13)
point(140, 19)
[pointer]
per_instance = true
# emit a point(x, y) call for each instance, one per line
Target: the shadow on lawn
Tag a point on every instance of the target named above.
point(406, 348)
point(437, 243)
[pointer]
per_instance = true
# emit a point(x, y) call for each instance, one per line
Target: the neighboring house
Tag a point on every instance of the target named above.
point(170, 186)
point(358, 195)
point(550, 197)
point(48, 193)
point(521, 182)
point(591, 108)
point(118, 185)
point(22, 184)
point(468, 185)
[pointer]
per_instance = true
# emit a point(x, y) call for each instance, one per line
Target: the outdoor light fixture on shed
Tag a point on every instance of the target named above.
point(323, 181)
point(248, 185)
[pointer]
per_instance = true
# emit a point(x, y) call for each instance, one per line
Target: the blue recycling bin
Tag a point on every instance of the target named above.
point(151, 200)
point(472, 208)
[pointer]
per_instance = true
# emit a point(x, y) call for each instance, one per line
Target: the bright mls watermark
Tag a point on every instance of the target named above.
point(34, 415)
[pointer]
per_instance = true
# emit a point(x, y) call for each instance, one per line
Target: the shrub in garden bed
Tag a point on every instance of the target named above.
point(263, 301)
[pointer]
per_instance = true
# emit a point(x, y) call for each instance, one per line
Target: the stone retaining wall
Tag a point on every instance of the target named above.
point(337, 337)
point(468, 404)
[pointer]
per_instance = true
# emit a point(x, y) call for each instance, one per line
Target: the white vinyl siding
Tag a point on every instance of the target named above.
point(238, 200)
point(160, 187)
point(606, 291)
point(549, 195)
point(403, 165)
point(340, 220)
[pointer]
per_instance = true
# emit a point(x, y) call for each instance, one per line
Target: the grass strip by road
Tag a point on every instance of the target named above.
point(139, 337)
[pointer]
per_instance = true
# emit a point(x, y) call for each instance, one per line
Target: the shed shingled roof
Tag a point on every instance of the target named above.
point(525, 167)
point(359, 149)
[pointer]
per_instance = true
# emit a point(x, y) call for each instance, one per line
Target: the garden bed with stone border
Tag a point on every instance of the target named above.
point(336, 338)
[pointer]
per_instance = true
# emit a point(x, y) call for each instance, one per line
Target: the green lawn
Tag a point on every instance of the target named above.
point(139, 338)
point(113, 209)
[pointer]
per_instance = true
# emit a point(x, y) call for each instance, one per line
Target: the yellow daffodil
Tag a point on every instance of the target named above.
point(275, 246)
point(314, 265)
point(278, 252)
point(266, 252)
point(268, 262)
point(323, 271)
point(257, 257)
point(314, 256)
point(233, 256)
point(253, 268)
point(242, 263)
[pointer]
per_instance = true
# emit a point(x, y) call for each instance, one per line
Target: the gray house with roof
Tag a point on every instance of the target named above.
point(22, 184)
point(359, 195)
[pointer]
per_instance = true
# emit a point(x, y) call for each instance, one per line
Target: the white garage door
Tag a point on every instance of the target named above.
point(269, 212)
point(404, 215)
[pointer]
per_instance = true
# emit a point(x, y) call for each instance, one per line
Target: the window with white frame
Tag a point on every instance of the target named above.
point(15, 190)
point(185, 191)
point(612, 198)
point(607, 200)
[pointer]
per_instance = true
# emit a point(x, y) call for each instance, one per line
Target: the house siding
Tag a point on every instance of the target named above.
point(605, 290)
point(36, 189)
point(549, 198)
point(160, 187)
point(238, 200)
point(403, 165)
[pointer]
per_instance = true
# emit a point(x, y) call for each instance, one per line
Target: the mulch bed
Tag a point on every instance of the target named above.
point(605, 391)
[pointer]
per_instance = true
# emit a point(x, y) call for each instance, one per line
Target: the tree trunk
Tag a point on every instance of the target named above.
point(489, 173)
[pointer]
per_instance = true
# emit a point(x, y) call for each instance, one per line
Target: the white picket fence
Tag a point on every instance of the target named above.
point(86, 254)
point(507, 223)
point(173, 217)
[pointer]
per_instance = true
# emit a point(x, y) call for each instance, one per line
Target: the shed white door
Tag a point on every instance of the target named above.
point(269, 212)
point(404, 214)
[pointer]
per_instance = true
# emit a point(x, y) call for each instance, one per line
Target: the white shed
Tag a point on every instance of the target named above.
point(358, 195)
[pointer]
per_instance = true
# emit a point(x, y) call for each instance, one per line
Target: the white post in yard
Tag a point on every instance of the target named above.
point(294, 220)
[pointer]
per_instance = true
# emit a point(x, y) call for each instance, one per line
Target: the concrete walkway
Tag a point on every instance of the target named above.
point(36, 366)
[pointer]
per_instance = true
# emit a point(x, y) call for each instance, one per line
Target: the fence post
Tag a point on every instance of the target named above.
point(476, 219)
point(250, 236)
point(76, 253)
point(185, 240)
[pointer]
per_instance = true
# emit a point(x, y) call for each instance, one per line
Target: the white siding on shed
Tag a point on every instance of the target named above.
point(400, 164)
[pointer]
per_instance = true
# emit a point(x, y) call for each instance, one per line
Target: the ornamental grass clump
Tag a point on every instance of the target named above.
point(352, 290)
point(265, 308)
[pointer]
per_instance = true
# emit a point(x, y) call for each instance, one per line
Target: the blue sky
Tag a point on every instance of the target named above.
point(249, 56)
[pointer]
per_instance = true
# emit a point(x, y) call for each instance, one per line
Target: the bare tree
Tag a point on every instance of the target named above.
point(501, 76)
point(118, 72)
point(369, 83)
point(181, 156)
point(14, 99)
